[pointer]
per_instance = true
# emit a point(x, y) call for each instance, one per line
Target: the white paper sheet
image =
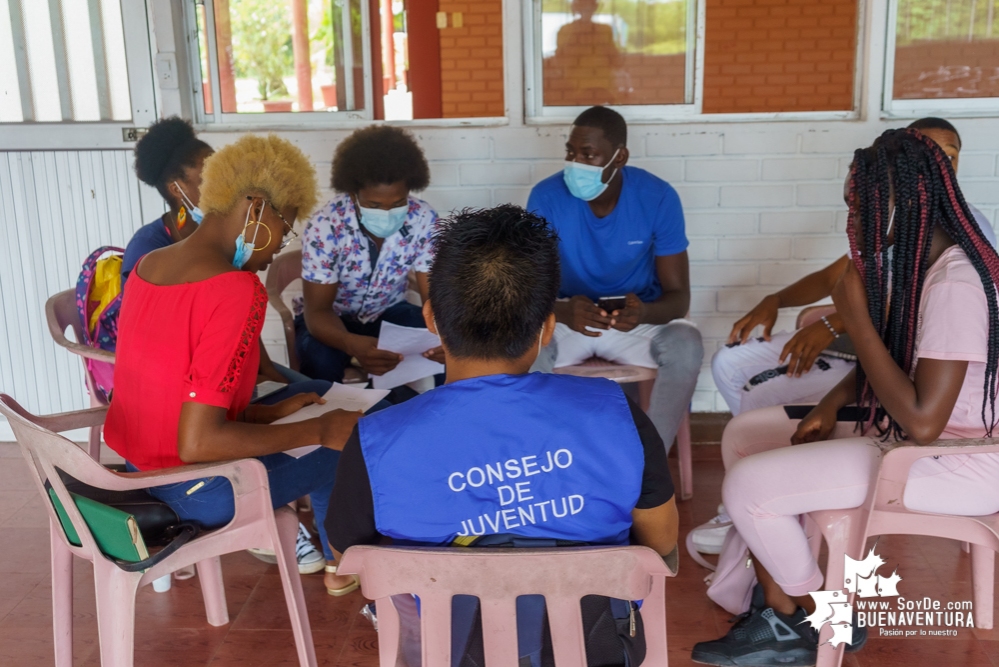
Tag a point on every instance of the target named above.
point(339, 397)
point(411, 343)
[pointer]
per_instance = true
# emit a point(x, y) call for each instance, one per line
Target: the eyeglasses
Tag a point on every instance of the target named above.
point(284, 241)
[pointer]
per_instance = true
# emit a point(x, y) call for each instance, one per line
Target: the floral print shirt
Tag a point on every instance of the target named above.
point(336, 251)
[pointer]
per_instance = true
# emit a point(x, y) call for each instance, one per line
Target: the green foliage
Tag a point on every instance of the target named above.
point(261, 44)
point(324, 35)
point(946, 20)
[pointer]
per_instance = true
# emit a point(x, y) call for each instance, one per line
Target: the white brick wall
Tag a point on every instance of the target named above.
point(763, 201)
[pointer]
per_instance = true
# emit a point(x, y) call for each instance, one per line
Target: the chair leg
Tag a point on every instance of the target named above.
point(62, 598)
point(94, 443)
point(645, 394)
point(291, 580)
point(685, 455)
point(983, 561)
point(116, 613)
point(213, 590)
point(845, 536)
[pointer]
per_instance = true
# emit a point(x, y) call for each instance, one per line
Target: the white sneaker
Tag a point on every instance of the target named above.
point(708, 537)
point(309, 558)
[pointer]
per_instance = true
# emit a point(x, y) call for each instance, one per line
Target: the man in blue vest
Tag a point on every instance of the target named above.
point(497, 451)
point(621, 234)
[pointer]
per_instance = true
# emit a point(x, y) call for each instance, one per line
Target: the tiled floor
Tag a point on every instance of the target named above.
point(171, 627)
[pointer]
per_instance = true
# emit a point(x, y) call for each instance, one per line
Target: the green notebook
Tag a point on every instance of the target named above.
point(116, 532)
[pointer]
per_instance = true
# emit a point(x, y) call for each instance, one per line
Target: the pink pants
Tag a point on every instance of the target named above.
point(769, 483)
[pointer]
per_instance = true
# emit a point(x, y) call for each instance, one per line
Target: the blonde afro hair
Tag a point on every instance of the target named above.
point(268, 164)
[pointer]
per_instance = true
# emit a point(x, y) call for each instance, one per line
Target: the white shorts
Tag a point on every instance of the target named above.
point(632, 348)
point(750, 376)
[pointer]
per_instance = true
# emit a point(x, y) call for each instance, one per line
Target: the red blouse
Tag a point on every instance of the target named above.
point(176, 343)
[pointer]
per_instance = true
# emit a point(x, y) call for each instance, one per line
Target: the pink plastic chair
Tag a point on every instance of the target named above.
point(61, 314)
point(497, 577)
point(283, 271)
point(256, 524)
point(645, 378)
point(846, 531)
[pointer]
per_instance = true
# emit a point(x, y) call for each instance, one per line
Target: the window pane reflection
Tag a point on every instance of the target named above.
point(613, 52)
point(947, 49)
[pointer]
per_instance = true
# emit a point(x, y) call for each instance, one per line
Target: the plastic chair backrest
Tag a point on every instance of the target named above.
point(497, 577)
point(42, 447)
point(61, 313)
point(283, 271)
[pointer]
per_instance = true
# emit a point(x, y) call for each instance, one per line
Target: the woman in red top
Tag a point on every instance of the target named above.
point(188, 344)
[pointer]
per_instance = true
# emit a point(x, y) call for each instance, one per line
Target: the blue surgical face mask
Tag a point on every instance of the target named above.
point(382, 223)
point(195, 212)
point(584, 180)
point(245, 248)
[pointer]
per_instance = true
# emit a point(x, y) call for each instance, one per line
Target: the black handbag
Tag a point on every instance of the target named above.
point(158, 522)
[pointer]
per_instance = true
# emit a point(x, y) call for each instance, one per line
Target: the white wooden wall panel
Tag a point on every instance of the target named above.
point(55, 208)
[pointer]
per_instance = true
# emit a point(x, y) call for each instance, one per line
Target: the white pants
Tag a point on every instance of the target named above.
point(633, 348)
point(750, 377)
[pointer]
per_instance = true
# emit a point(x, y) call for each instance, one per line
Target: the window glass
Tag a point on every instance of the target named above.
point(614, 52)
point(946, 49)
point(298, 56)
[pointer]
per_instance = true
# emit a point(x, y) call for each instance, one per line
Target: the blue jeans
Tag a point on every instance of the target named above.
point(319, 360)
point(213, 505)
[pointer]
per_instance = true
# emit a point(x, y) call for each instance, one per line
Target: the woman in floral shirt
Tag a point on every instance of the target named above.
point(357, 252)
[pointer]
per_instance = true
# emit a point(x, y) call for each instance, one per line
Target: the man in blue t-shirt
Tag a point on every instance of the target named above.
point(621, 235)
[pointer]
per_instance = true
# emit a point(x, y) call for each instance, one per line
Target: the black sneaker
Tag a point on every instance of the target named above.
point(859, 637)
point(764, 638)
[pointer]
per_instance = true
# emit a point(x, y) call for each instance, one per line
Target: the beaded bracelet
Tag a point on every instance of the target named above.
point(830, 327)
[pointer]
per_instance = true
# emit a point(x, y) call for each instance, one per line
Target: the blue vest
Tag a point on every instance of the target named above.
point(538, 456)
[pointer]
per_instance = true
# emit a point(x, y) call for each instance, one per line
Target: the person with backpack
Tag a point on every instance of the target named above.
point(918, 299)
point(189, 345)
point(499, 455)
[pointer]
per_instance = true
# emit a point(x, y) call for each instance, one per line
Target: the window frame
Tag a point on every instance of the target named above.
point(218, 120)
point(536, 112)
point(99, 134)
point(953, 107)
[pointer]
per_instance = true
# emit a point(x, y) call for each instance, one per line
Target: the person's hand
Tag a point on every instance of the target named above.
point(849, 294)
point(803, 348)
point(630, 316)
point(265, 414)
point(817, 425)
point(584, 313)
point(335, 428)
point(373, 360)
point(765, 313)
point(435, 354)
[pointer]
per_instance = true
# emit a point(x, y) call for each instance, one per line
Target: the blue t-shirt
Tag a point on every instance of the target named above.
point(149, 238)
point(614, 255)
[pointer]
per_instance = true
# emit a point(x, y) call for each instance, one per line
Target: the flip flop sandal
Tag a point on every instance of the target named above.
point(349, 588)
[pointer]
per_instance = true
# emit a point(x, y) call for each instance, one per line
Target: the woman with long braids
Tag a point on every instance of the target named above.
point(919, 302)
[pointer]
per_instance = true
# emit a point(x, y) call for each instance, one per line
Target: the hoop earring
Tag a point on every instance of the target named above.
point(270, 235)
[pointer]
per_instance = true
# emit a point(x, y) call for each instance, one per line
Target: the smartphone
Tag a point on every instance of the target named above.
point(612, 303)
point(850, 413)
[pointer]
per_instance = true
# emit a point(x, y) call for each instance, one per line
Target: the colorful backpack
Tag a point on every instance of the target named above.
point(98, 300)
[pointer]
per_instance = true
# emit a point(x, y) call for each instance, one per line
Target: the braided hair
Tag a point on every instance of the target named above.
point(914, 169)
